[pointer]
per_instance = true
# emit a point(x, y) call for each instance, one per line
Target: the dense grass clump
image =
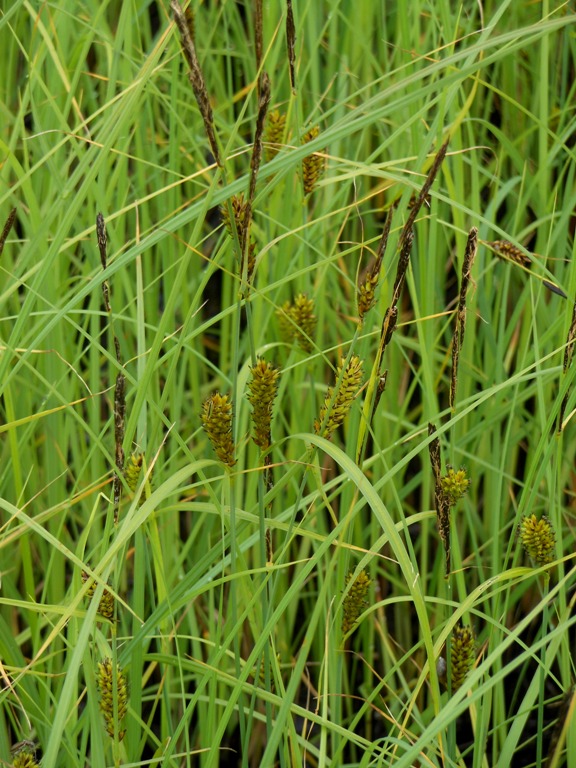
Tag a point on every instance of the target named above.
point(286, 382)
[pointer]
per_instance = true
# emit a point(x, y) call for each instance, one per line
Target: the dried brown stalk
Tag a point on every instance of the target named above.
point(7, 227)
point(458, 338)
point(196, 78)
point(290, 43)
point(441, 502)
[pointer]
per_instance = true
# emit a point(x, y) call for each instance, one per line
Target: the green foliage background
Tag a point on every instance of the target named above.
point(234, 658)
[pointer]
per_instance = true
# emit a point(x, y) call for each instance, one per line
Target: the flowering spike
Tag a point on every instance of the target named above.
point(274, 133)
point(106, 675)
point(217, 422)
point(24, 755)
point(298, 321)
point(454, 485)
point(538, 538)
point(462, 654)
point(334, 410)
point(263, 388)
point(312, 165)
point(355, 601)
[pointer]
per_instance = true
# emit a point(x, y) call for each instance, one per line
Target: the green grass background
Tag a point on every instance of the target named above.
point(231, 660)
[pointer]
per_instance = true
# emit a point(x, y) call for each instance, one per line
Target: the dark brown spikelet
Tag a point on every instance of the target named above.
point(275, 129)
point(313, 165)
point(355, 601)
point(567, 362)
point(336, 407)
point(217, 422)
point(538, 539)
point(190, 22)
point(7, 227)
point(462, 654)
point(441, 501)
point(262, 389)
point(424, 195)
point(290, 44)
point(459, 330)
point(196, 77)
point(366, 296)
point(113, 690)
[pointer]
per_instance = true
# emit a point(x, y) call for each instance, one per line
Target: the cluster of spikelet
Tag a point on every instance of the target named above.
point(217, 422)
point(297, 321)
point(462, 654)
point(106, 604)
point(262, 390)
point(455, 483)
point(355, 600)
point(336, 405)
point(538, 539)
point(113, 692)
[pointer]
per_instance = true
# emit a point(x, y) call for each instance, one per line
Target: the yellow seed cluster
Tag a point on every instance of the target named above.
point(455, 484)
point(332, 416)
point(24, 756)
point(355, 601)
point(297, 321)
point(274, 133)
point(313, 165)
point(262, 390)
point(538, 538)
point(106, 604)
point(462, 654)
point(366, 297)
point(217, 423)
point(132, 470)
point(239, 211)
point(106, 689)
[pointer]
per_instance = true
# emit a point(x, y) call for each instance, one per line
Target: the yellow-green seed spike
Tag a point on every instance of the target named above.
point(355, 601)
point(455, 484)
point(112, 692)
point(312, 165)
point(262, 390)
point(538, 539)
point(217, 422)
point(335, 408)
point(462, 654)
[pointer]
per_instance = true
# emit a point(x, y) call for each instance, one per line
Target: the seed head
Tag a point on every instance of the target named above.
point(274, 133)
point(355, 601)
point(24, 755)
point(538, 538)
point(262, 388)
point(454, 485)
point(298, 321)
point(462, 654)
point(313, 165)
point(106, 674)
point(106, 604)
point(217, 422)
point(338, 409)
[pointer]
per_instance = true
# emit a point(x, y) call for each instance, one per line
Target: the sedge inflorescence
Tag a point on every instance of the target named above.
point(336, 407)
point(217, 422)
point(355, 600)
point(112, 691)
point(538, 538)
